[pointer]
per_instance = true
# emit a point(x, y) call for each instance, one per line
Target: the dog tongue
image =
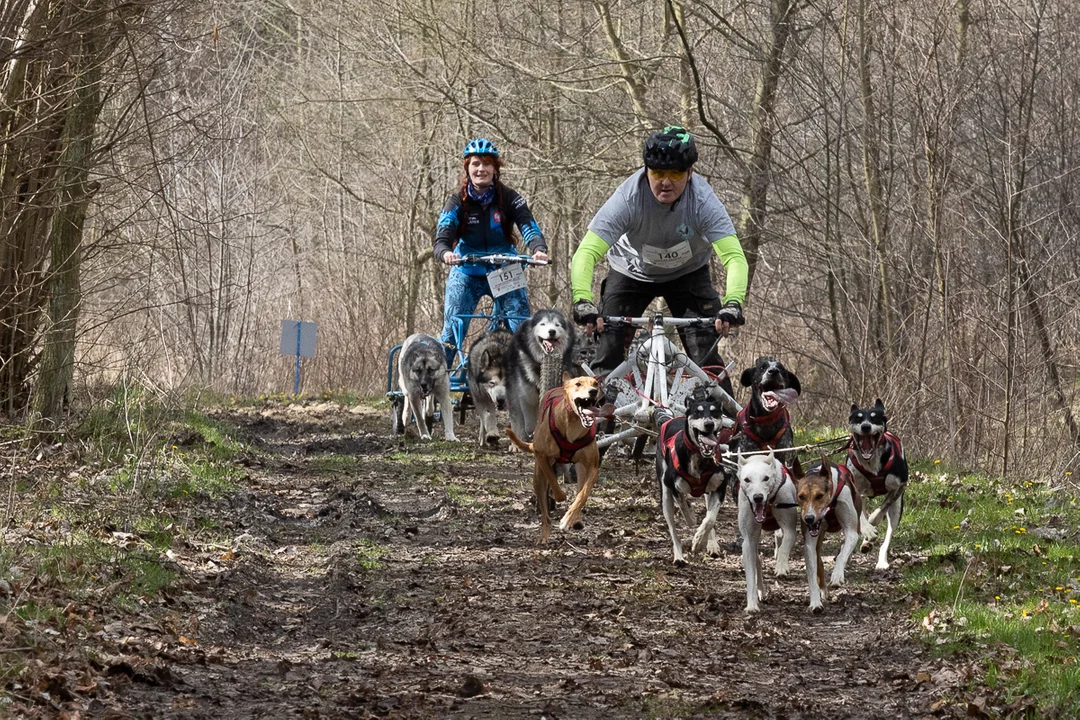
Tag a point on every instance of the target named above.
point(759, 512)
point(867, 446)
point(706, 441)
point(783, 396)
point(548, 346)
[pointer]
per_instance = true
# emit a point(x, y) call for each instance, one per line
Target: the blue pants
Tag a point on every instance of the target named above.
point(463, 292)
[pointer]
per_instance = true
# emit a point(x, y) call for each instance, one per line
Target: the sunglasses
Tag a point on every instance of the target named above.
point(672, 175)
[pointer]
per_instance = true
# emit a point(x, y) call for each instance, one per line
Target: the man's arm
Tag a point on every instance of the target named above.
point(736, 270)
point(589, 252)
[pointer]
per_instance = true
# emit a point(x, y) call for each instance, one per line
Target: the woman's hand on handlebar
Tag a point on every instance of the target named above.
point(451, 258)
point(540, 256)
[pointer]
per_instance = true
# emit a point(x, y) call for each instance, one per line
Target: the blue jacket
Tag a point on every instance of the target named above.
point(469, 228)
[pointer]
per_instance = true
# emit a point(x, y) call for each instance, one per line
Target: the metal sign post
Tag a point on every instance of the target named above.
point(297, 337)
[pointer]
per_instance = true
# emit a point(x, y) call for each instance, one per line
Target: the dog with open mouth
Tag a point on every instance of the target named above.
point(766, 503)
point(877, 463)
point(687, 465)
point(540, 351)
point(828, 502)
point(565, 433)
point(764, 423)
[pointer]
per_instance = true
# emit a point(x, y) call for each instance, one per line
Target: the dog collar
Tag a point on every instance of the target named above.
point(786, 474)
point(747, 424)
point(567, 448)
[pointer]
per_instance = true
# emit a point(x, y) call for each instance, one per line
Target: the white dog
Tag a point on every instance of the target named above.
point(766, 502)
point(828, 502)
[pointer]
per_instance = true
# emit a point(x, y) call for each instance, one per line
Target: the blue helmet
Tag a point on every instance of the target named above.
point(480, 146)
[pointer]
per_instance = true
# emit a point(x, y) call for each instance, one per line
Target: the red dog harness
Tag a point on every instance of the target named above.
point(843, 477)
point(567, 448)
point(746, 425)
point(894, 450)
point(671, 440)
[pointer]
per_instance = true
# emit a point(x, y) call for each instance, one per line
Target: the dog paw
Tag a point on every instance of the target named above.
point(679, 562)
point(713, 549)
point(882, 565)
point(782, 571)
point(817, 609)
point(836, 580)
point(865, 547)
point(753, 609)
point(425, 437)
point(492, 439)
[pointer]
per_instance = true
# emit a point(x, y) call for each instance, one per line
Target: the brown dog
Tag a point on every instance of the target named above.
point(828, 502)
point(565, 433)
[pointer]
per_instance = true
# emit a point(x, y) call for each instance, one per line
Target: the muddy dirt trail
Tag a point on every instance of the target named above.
point(365, 580)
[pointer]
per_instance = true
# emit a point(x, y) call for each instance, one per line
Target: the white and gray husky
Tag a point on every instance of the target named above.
point(541, 349)
point(487, 380)
point(423, 376)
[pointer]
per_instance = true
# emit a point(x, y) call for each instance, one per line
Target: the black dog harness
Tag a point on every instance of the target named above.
point(893, 450)
point(567, 448)
point(670, 441)
point(749, 426)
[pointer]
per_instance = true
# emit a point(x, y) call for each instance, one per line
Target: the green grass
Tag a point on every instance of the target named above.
point(371, 555)
point(991, 582)
point(334, 464)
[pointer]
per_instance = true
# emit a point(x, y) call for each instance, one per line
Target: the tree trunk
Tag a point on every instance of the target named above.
point(53, 389)
point(762, 128)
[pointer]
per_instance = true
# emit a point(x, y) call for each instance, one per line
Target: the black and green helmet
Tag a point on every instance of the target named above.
point(672, 148)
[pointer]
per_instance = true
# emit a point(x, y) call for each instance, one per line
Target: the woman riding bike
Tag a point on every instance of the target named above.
point(478, 219)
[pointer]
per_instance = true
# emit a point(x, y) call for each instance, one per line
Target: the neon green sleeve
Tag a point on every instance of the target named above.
point(589, 252)
point(731, 255)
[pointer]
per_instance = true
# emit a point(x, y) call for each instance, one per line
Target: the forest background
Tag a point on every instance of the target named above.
point(179, 177)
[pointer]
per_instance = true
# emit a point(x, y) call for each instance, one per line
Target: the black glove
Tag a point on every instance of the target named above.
point(585, 313)
point(731, 313)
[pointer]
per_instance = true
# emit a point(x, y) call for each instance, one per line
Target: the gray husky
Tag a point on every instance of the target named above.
point(487, 380)
point(542, 348)
point(423, 377)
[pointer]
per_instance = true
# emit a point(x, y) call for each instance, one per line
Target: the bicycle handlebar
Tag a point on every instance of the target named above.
point(497, 259)
point(622, 321)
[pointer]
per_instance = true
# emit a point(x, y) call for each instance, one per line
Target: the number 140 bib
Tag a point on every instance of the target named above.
point(667, 258)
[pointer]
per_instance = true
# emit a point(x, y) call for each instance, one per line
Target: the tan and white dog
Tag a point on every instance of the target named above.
point(766, 502)
point(565, 433)
point(828, 502)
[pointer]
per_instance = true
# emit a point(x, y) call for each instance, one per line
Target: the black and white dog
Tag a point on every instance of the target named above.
point(541, 350)
point(878, 466)
point(686, 466)
point(422, 376)
point(487, 380)
point(764, 422)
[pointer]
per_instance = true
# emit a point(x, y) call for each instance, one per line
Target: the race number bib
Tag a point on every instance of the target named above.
point(506, 279)
point(667, 258)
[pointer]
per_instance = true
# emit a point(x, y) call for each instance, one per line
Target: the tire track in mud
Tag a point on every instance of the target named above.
point(372, 582)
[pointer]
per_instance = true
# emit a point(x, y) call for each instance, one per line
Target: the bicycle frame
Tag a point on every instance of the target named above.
point(656, 394)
